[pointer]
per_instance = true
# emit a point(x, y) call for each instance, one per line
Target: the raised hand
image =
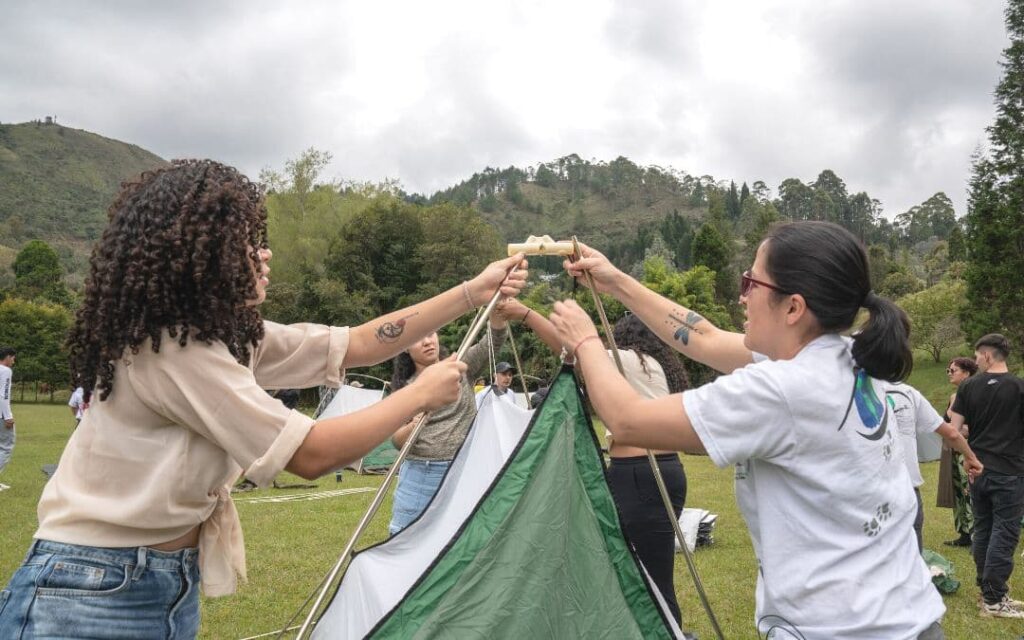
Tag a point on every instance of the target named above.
point(439, 383)
point(572, 324)
point(606, 275)
point(483, 286)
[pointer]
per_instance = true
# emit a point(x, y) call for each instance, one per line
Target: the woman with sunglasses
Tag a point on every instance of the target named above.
point(954, 492)
point(801, 415)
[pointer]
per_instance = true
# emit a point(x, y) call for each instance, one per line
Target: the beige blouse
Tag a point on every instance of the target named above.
point(159, 455)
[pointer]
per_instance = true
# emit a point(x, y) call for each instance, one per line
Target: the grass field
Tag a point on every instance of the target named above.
point(291, 545)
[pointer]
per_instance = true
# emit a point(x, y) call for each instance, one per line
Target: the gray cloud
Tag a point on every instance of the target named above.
point(893, 97)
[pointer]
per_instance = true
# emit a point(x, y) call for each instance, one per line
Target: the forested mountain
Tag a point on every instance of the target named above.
point(56, 184)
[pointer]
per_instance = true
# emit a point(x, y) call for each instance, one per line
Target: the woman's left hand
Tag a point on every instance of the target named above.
point(572, 323)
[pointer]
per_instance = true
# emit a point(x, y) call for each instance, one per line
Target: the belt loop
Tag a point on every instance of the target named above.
point(31, 550)
point(140, 563)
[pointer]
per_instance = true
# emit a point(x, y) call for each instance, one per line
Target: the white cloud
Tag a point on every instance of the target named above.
point(893, 97)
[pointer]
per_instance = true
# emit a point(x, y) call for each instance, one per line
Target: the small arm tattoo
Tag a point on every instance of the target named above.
point(687, 325)
point(392, 331)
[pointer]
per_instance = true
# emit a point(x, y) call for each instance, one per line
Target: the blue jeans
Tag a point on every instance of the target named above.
point(72, 591)
point(418, 481)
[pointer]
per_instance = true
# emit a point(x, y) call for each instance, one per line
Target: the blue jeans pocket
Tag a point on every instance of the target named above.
point(78, 577)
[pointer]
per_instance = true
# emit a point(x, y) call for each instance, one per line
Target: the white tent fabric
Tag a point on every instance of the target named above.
point(349, 399)
point(378, 578)
point(519, 399)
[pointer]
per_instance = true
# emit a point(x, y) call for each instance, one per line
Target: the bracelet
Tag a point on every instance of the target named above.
point(526, 315)
point(580, 344)
point(465, 293)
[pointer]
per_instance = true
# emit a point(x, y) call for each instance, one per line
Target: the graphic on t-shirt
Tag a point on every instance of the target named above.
point(873, 526)
point(870, 409)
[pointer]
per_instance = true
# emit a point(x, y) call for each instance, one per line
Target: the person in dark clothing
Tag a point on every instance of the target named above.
point(992, 402)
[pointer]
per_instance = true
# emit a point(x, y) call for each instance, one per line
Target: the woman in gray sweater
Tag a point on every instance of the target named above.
point(440, 438)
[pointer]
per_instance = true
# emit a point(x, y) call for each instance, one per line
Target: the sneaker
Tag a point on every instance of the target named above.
point(4, 487)
point(1002, 609)
point(962, 541)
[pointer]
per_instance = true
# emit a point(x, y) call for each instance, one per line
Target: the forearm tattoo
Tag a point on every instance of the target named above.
point(392, 331)
point(682, 333)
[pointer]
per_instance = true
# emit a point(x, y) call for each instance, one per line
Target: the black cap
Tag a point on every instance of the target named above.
point(502, 367)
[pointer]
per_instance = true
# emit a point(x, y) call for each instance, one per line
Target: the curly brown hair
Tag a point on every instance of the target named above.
point(631, 333)
point(180, 252)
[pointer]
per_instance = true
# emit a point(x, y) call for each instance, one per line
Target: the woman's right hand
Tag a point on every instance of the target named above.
point(439, 384)
point(606, 275)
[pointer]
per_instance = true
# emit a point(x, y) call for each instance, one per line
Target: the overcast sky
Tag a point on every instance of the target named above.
point(893, 96)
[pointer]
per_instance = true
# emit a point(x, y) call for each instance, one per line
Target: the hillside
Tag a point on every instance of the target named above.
point(56, 184)
point(604, 203)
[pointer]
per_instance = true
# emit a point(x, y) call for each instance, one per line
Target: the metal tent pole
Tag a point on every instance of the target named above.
point(662, 489)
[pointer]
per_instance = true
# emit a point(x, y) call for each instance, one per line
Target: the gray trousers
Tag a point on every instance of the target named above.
point(6, 445)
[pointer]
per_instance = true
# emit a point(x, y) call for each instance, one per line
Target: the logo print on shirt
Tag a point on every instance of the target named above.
point(870, 409)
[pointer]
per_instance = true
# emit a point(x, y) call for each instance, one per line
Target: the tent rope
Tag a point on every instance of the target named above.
point(662, 489)
point(519, 366)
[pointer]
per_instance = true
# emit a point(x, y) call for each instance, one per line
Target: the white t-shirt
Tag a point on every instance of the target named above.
point(914, 415)
point(77, 402)
point(830, 514)
point(5, 392)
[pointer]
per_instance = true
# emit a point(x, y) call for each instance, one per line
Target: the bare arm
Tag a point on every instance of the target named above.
point(335, 442)
point(684, 329)
point(952, 435)
point(635, 421)
point(512, 309)
point(389, 335)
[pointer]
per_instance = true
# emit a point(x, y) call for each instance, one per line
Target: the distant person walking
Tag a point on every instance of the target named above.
point(7, 357)
point(992, 403)
point(78, 403)
point(954, 491)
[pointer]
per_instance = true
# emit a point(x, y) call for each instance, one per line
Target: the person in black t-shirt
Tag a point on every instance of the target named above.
point(992, 403)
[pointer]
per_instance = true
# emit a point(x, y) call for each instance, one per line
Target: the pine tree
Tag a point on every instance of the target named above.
point(995, 218)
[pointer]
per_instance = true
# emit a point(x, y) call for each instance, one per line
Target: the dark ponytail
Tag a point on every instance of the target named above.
point(882, 346)
point(828, 266)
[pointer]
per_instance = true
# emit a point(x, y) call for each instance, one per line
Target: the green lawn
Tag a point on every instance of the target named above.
point(291, 545)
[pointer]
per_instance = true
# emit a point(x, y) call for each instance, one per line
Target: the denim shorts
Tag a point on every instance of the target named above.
point(418, 481)
point(73, 591)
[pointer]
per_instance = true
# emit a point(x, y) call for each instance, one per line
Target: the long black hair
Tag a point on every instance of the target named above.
point(631, 333)
point(828, 266)
point(403, 368)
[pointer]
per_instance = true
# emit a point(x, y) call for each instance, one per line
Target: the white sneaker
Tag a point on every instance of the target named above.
point(1001, 609)
point(4, 487)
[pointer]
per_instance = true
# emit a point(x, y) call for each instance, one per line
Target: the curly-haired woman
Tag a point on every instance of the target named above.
point(654, 371)
point(170, 340)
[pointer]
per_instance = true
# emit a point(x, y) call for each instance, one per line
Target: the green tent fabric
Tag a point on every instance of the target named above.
point(379, 460)
point(541, 555)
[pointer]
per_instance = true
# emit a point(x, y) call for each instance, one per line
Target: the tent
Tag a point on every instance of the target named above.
point(521, 541)
point(514, 397)
point(348, 399)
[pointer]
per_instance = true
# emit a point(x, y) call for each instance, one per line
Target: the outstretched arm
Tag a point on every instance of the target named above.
point(336, 442)
point(684, 329)
point(952, 435)
point(389, 335)
point(635, 421)
point(513, 310)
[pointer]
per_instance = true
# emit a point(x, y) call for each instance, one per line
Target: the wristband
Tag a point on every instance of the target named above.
point(465, 293)
point(580, 344)
point(526, 315)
